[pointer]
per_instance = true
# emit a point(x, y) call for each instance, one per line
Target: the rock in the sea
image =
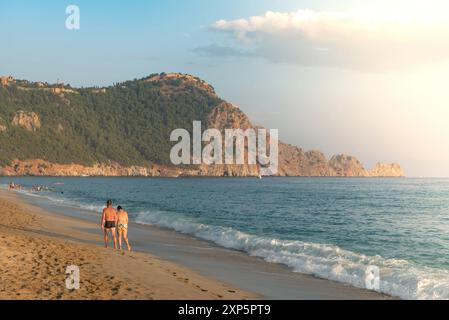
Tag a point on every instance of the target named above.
point(293, 161)
point(346, 166)
point(387, 170)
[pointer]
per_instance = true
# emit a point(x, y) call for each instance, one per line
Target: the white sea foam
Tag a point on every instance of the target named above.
point(60, 200)
point(397, 277)
point(91, 207)
point(41, 195)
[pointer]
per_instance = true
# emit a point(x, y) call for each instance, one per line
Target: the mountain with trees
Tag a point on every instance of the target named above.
point(124, 130)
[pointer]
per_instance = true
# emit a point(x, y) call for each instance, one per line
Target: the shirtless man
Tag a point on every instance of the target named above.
point(108, 220)
point(122, 227)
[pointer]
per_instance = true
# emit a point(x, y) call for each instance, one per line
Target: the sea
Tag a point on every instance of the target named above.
point(342, 229)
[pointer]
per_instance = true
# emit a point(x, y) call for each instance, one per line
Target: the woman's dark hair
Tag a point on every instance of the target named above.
point(109, 202)
point(119, 208)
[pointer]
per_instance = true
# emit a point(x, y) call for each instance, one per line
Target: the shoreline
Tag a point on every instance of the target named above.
point(213, 177)
point(268, 280)
point(37, 246)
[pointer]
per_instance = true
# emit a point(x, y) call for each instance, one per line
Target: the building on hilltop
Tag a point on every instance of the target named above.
point(59, 87)
point(6, 80)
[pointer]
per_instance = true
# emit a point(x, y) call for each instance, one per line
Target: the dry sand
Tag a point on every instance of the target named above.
point(37, 246)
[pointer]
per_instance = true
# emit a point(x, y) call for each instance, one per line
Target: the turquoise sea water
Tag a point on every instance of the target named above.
point(333, 228)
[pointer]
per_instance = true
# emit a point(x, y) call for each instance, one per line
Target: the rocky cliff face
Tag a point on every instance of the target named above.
point(3, 126)
point(28, 120)
point(227, 116)
point(293, 161)
point(39, 167)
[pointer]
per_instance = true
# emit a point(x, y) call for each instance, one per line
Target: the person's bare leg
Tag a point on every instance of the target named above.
point(105, 238)
point(125, 236)
point(119, 239)
point(114, 237)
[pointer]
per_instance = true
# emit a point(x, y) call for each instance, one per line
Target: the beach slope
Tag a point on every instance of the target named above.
point(36, 248)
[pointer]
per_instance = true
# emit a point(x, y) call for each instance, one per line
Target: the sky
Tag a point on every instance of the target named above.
point(366, 78)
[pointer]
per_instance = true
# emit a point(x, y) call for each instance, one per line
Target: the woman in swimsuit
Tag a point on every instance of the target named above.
point(122, 227)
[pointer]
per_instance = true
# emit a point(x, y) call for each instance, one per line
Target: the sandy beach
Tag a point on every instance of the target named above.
point(37, 246)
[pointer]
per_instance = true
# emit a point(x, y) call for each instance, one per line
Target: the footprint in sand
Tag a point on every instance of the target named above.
point(116, 289)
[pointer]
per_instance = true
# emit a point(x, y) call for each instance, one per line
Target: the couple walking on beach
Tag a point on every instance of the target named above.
point(113, 220)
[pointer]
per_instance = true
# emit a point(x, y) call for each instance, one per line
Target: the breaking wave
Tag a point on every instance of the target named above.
point(398, 278)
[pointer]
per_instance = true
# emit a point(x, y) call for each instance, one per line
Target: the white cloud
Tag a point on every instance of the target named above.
point(360, 40)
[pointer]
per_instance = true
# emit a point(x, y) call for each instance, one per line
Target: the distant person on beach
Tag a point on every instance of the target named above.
point(122, 227)
point(108, 220)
